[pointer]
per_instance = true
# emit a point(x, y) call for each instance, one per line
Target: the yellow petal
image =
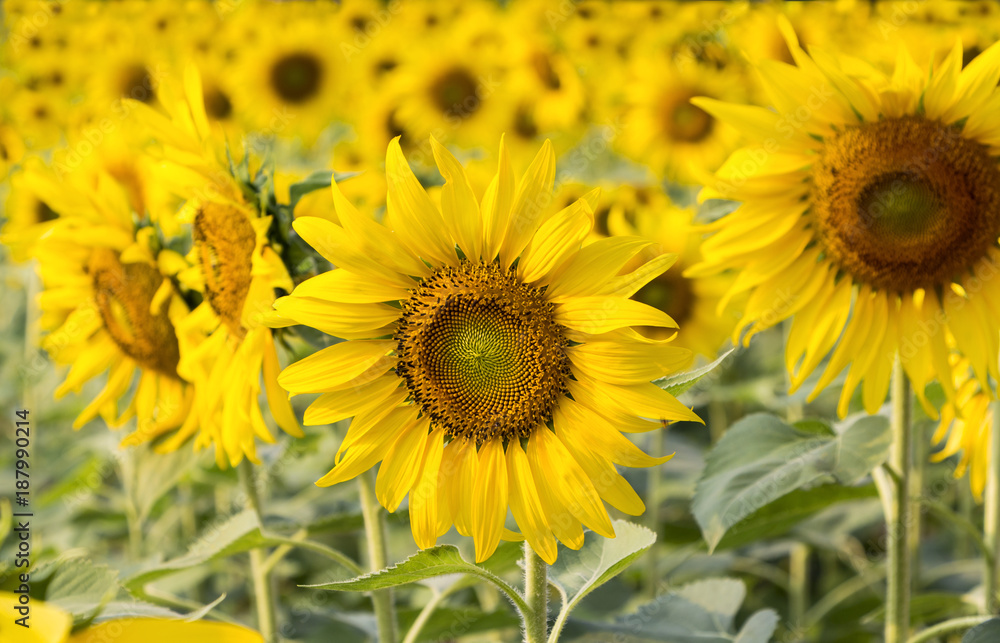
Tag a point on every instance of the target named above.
point(342, 250)
point(458, 202)
point(364, 453)
point(627, 363)
point(334, 365)
point(489, 499)
point(349, 288)
point(526, 505)
point(555, 240)
point(337, 405)
point(595, 315)
point(401, 465)
point(496, 205)
point(567, 481)
point(424, 495)
point(534, 194)
point(412, 213)
point(47, 623)
point(350, 321)
point(277, 400)
point(160, 630)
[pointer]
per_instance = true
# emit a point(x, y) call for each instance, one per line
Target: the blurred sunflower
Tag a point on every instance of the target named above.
point(27, 217)
point(225, 349)
point(454, 90)
point(109, 305)
point(665, 130)
point(490, 360)
point(693, 303)
point(965, 427)
point(290, 80)
point(50, 624)
point(879, 190)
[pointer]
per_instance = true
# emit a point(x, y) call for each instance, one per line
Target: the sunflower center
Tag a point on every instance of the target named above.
point(217, 103)
point(671, 293)
point(906, 203)
point(225, 241)
point(296, 77)
point(124, 294)
point(136, 83)
point(455, 93)
point(684, 122)
point(481, 352)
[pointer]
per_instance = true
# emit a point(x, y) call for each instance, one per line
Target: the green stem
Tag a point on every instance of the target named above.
point(536, 595)
point(954, 625)
point(846, 590)
point(991, 519)
point(375, 532)
point(897, 616)
point(423, 617)
point(653, 500)
point(920, 455)
point(263, 595)
point(798, 582)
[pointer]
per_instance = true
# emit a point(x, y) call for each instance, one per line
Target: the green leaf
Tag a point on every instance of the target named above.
point(988, 632)
point(761, 459)
point(150, 475)
point(701, 612)
point(759, 628)
point(677, 384)
point(81, 588)
point(315, 181)
point(239, 534)
point(777, 518)
point(425, 564)
point(577, 573)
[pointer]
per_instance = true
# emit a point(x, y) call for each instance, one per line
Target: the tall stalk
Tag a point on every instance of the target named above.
point(376, 534)
point(897, 614)
point(536, 592)
point(992, 513)
point(264, 597)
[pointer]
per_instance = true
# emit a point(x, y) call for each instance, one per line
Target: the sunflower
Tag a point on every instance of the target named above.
point(291, 79)
point(965, 426)
point(662, 127)
point(27, 216)
point(456, 89)
point(52, 624)
point(110, 306)
point(870, 215)
point(489, 360)
point(693, 303)
point(226, 351)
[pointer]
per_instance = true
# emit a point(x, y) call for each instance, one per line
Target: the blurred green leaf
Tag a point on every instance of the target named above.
point(149, 475)
point(777, 518)
point(677, 384)
point(761, 459)
point(577, 573)
point(428, 563)
point(988, 632)
point(701, 612)
point(81, 588)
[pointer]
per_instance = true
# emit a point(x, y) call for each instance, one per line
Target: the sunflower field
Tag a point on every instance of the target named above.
point(499, 320)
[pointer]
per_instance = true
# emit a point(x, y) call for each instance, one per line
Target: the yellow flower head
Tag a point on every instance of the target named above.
point(226, 351)
point(109, 304)
point(870, 215)
point(490, 361)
